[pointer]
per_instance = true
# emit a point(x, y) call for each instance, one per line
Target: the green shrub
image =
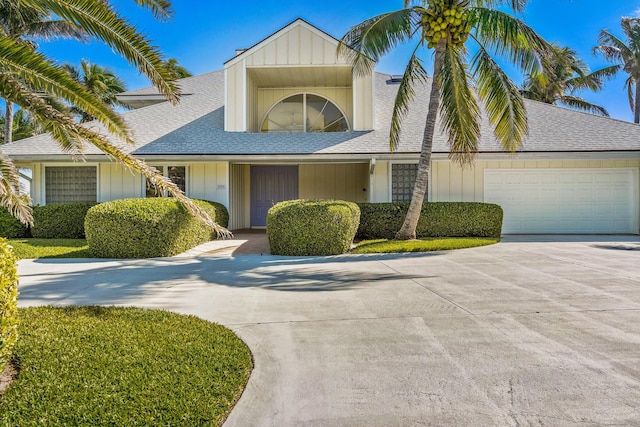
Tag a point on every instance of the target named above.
point(8, 302)
point(144, 228)
point(438, 219)
point(10, 227)
point(60, 221)
point(312, 227)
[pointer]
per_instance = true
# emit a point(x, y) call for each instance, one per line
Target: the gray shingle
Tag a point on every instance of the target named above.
point(195, 127)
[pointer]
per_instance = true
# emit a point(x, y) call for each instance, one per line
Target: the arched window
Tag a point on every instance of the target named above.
point(305, 113)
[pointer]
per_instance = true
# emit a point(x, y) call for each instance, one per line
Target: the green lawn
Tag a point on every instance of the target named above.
point(421, 245)
point(98, 366)
point(50, 248)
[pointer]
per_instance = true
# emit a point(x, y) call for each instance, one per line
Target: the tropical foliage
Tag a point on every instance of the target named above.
point(627, 56)
point(446, 27)
point(29, 78)
point(562, 75)
point(23, 125)
point(102, 82)
point(176, 70)
point(25, 25)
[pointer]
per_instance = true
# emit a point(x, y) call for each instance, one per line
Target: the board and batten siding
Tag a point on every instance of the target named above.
point(234, 110)
point(340, 181)
point(299, 46)
point(239, 197)
point(209, 181)
point(116, 181)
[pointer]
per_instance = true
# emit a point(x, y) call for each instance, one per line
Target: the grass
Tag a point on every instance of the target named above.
point(50, 248)
point(98, 366)
point(422, 245)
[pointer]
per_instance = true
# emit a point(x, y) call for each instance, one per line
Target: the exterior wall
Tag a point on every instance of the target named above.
point(209, 181)
point(234, 111)
point(299, 46)
point(343, 181)
point(118, 182)
point(239, 201)
point(342, 97)
point(363, 102)
point(253, 117)
point(380, 183)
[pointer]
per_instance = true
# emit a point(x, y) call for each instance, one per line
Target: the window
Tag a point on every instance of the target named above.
point(305, 113)
point(68, 184)
point(403, 178)
point(177, 175)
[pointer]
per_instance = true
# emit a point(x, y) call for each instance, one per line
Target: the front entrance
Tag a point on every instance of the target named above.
point(270, 185)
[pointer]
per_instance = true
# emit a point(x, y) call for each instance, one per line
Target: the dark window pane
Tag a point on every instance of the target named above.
point(152, 190)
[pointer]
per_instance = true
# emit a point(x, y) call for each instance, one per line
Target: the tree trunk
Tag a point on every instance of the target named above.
point(8, 122)
point(636, 118)
point(408, 229)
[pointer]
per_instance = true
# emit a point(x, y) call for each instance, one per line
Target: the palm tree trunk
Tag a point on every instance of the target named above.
point(408, 229)
point(8, 122)
point(636, 118)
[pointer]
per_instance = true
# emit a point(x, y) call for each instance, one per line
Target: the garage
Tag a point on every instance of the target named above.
point(572, 201)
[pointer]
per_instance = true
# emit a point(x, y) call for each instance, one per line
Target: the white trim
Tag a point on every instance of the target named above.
point(226, 101)
point(245, 104)
point(354, 101)
point(270, 66)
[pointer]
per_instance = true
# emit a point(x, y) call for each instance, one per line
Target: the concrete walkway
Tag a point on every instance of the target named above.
point(526, 332)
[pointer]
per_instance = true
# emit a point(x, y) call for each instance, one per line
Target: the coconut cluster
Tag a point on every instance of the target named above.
point(445, 21)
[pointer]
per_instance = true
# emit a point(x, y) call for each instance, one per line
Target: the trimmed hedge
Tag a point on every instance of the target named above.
point(312, 227)
point(8, 303)
point(10, 227)
point(438, 219)
point(60, 221)
point(145, 228)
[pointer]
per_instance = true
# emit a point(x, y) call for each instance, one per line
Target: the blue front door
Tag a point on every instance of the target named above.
point(270, 185)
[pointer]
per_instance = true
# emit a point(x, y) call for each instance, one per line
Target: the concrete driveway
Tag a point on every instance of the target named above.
point(526, 332)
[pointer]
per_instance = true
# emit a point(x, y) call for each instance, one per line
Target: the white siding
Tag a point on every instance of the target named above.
point(118, 182)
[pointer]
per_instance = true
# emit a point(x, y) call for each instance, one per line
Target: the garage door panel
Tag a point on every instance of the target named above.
point(565, 200)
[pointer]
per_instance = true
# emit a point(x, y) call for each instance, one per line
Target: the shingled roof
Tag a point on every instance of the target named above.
point(195, 127)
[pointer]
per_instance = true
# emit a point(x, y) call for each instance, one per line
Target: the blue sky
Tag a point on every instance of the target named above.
point(204, 34)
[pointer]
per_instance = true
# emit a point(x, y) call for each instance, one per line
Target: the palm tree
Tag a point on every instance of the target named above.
point(102, 82)
point(177, 70)
point(562, 75)
point(445, 26)
point(30, 78)
point(24, 24)
point(627, 55)
point(23, 125)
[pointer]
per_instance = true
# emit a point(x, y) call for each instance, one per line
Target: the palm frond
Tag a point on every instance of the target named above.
point(10, 198)
point(458, 108)
point(366, 42)
point(100, 20)
point(509, 37)
point(42, 76)
point(593, 81)
point(56, 29)
point(612, 48)
point(583, 105)
point(516, 5)
point(504, 104)
point(413, 73)
point(161, 9)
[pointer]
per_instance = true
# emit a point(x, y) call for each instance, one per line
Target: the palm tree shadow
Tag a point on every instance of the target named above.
point(127, 281)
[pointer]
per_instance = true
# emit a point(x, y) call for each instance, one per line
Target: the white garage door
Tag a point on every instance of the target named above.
point(565, 200)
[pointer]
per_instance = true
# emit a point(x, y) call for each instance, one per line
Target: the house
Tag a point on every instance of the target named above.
point(287, 118)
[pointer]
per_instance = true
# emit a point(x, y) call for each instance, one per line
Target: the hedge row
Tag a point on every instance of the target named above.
point(312, 227)
point(10, 227)
point(8, 302)
point(60, 221)
point(438, 219)
point(145, 228)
